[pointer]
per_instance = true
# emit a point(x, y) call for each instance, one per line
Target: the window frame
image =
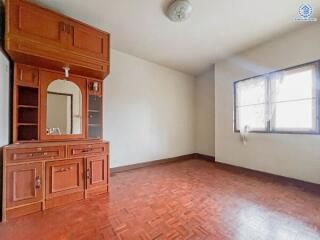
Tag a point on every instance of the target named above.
point(268, 102)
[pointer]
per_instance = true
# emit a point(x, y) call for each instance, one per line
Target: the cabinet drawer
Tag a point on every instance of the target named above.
point(87, 149)
point(40, 153)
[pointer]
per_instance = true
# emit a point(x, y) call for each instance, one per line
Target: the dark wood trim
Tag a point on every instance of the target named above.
point(204, 157)
point(269, 177)
point(162, 161)
point(152, 163)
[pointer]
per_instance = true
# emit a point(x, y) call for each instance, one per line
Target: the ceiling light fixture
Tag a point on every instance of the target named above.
point(179, 10)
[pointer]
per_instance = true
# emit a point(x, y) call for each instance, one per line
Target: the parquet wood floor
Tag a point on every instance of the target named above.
point(183, 200)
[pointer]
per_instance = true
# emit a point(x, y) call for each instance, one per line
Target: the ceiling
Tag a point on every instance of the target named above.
point(216, 29)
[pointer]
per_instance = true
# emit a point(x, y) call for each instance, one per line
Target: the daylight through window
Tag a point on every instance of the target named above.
point(284, 101)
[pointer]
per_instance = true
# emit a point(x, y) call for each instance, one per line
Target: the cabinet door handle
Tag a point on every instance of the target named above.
point(34, 76)
point(62, 26)
point(21, 75)
point(87, 150)
point(88, 174)
point(38, 182)
point(64, 169)
point(69, 28)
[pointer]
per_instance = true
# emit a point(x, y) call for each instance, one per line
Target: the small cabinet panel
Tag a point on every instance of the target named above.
point(64, 177)
point(36, 23)
point(97, 171)
point(24, 184)
point(26, 75)
point(32, 154)
point(90, 41)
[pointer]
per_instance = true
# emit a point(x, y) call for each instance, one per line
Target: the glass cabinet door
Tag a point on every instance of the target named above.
point(95, 117)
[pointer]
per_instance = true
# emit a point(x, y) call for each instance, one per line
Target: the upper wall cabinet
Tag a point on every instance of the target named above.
point(38, 36)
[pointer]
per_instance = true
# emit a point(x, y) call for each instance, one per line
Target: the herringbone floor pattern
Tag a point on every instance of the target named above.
point(183, 200)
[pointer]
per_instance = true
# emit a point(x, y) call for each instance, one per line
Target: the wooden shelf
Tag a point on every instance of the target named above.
point(27, 124)
point(94, 125)
point(27, 106)
point(94, 111)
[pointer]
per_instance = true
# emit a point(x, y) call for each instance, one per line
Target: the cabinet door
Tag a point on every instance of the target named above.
point(89, 41)
point(37, 23)
point(97, 171)
point(24, 184)
point(64, 177)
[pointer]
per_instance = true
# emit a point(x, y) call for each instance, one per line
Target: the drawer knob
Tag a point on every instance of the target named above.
point(88, 173)
point(87, 150)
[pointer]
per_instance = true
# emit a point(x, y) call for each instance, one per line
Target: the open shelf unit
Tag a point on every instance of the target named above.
point(27, 113)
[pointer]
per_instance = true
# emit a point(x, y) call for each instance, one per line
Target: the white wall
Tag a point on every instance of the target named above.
point(148, 111)
point(204, 113)
point(4, 100)
point(296, 156)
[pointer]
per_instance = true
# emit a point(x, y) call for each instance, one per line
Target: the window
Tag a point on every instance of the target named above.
point(251, 103)
point(284, 101)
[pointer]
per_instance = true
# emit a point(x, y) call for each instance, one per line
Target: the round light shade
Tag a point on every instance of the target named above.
point(179, 10)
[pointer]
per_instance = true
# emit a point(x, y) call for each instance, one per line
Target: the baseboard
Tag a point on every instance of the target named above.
point(308, 186)
point(150, 163)
point(312, 187)
point(204, 157)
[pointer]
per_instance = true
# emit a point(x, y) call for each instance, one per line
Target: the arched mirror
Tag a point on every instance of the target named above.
point(64, 108)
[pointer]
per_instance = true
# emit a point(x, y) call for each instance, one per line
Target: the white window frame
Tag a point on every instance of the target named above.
point(270, 122)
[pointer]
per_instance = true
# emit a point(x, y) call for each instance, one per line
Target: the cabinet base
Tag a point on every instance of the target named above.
point(24, 210)
point(58, 201)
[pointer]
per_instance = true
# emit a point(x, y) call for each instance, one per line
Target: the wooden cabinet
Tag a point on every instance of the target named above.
point(89, 41)
point(64, 177)
point(36, 23)
point(24, 184)
point(54, 162)
point(39, 36)
point(39, 176)
point(97, 172)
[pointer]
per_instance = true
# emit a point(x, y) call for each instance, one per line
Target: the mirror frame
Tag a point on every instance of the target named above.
point(46, 78)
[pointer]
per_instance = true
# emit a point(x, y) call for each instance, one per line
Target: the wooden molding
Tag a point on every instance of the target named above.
point(309, 186)
point(204, 157)
point(151, 163)
point(161, 161)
